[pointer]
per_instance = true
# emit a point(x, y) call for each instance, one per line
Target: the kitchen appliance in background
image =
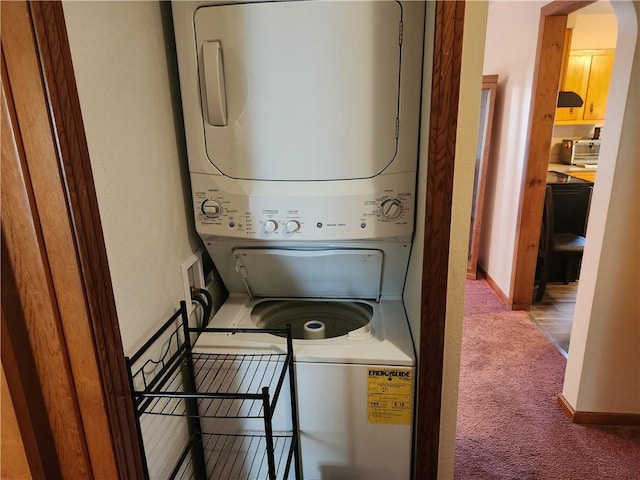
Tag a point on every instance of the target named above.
point(580, 152)
point(302, 128)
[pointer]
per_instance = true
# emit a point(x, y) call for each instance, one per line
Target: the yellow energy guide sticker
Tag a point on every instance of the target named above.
point(389, 396)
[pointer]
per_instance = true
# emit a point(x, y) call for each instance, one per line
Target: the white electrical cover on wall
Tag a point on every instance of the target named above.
point(300, 90)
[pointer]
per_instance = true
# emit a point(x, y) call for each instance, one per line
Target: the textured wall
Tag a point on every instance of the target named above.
point(127, 83)
point(128, 87)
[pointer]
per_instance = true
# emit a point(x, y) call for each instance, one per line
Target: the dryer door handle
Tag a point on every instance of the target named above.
point(213, 91)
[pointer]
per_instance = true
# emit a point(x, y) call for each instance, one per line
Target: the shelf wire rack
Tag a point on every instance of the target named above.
point(168, 379)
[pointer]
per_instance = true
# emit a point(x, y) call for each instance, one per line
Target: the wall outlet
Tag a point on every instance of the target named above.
point(192, 276)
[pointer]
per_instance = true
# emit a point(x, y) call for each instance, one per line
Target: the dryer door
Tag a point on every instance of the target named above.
point(300, 90)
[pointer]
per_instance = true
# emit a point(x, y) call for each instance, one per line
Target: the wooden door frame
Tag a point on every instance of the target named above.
point(443, 122)
point(85, 341)
point(50, 39)
point(546, 79)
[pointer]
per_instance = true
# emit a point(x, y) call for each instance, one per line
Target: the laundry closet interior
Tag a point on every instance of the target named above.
point(302, 132)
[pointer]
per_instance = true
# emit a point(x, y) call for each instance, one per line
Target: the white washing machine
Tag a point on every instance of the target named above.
point(302, 121)
point(354, 377)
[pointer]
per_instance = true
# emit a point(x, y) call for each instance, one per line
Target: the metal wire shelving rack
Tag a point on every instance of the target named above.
point(167, 378)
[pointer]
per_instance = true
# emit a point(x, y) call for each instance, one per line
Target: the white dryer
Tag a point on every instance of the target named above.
point(302, 121)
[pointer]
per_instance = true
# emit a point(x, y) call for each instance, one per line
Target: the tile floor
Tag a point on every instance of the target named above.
point(554, 314)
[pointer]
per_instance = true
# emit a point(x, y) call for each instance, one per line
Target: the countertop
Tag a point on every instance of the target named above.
point(563, 167)
point(587, 173)
point(554, 177)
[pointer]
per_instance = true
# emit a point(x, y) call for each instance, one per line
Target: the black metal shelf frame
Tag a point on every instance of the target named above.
point(167, 378)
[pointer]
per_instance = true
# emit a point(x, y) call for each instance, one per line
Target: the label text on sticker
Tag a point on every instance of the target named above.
point(389, 396)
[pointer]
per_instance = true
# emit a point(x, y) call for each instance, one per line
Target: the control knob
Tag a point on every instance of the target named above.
point(211, 208)
point(270, 226)
point(391, 208)
point(292, 226)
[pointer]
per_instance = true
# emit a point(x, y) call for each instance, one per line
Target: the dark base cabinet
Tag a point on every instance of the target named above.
point(559, 269)
point(571, 203)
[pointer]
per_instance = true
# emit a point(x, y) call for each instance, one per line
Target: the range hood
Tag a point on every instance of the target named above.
point(569, 99)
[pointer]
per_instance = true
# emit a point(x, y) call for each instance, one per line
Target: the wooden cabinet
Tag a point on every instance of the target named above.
point(588, 73)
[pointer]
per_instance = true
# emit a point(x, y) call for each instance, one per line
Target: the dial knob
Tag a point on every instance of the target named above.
point(211, 208)
point(391, 208)
point(293, 226)
point(270, 226)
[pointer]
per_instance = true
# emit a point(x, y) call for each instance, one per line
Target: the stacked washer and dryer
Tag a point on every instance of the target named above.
point(301, 121)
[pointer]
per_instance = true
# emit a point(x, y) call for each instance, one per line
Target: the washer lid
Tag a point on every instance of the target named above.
point(345, 273)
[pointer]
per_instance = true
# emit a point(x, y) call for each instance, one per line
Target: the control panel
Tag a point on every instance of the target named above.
point(304, 210)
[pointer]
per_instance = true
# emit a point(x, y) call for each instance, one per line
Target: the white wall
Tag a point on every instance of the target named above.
point(127, 96)
point(467, 134)
point(127, 86)
point(603, 368)
point(512, 32)
point(466, 144)
point(593, 31)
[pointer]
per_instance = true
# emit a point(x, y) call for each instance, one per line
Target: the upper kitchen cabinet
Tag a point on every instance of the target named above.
point(587, 73)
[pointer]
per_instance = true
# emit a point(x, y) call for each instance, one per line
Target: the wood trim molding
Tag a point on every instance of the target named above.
point(32, 320)
point(73, 152)
point(546, 78)
point(18, 363)
point(597, 418)
point(449, 25)
point(564, 7)
point(545, 87)
point(494, 286)
point(103, 441)
point(13, 455)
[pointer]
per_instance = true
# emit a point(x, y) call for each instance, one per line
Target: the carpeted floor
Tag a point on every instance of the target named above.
point(509, 424)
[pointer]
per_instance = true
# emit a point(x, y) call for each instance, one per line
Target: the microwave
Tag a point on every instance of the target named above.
point(580, 152)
